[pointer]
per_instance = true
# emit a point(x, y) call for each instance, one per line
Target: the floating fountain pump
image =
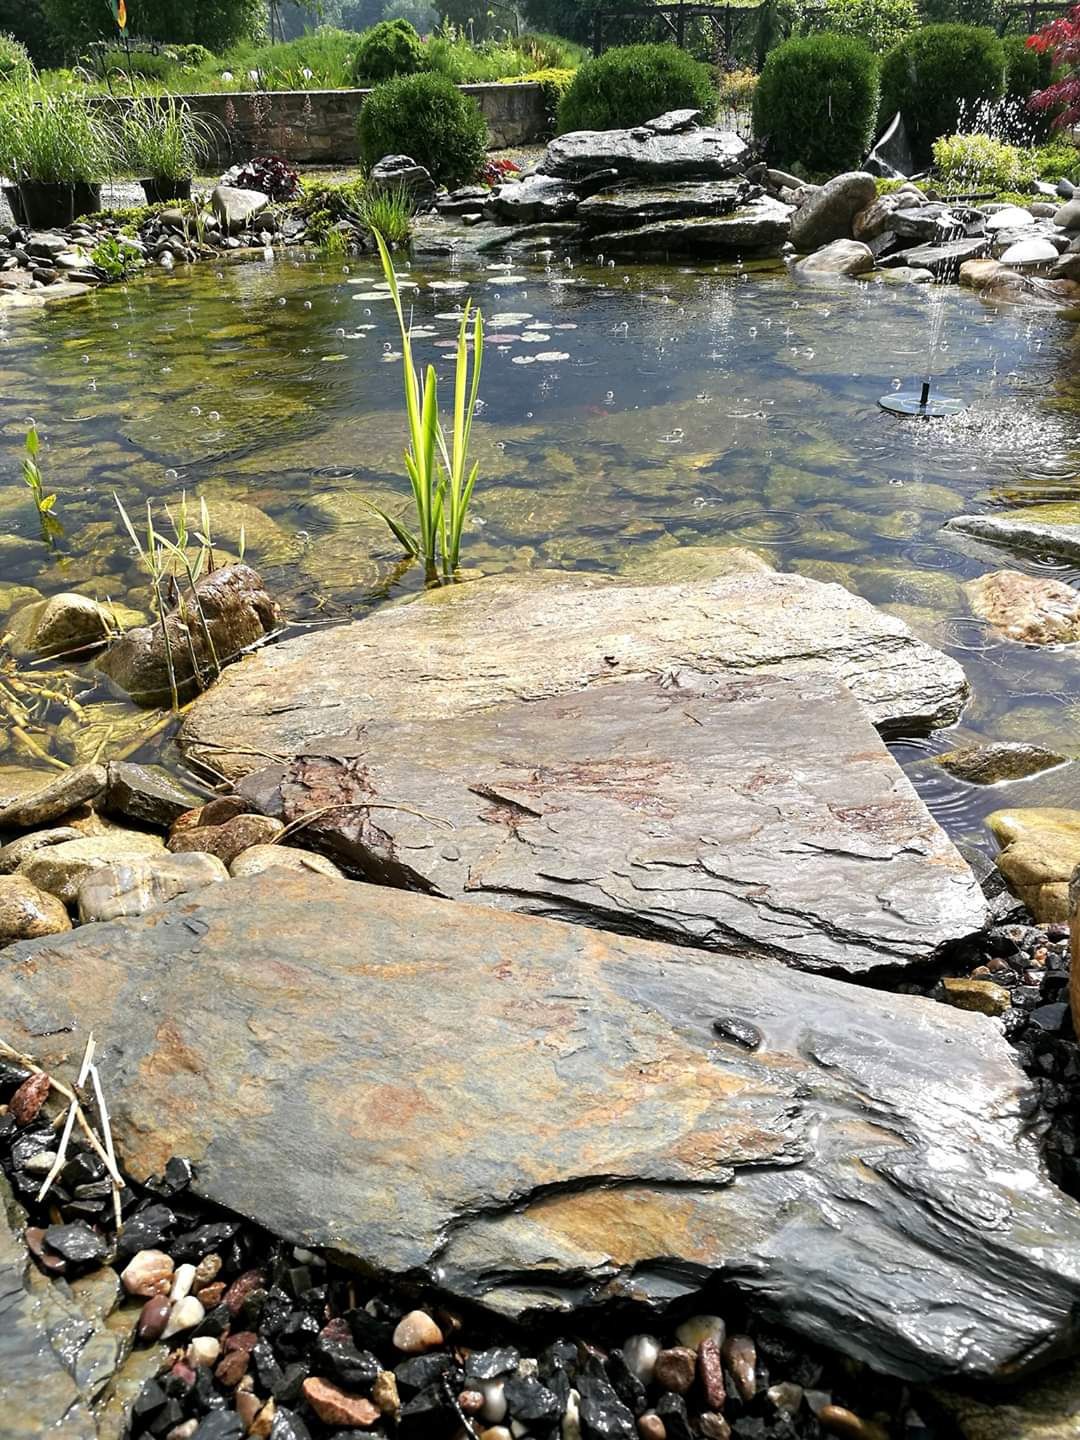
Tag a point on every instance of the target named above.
point(921, 402)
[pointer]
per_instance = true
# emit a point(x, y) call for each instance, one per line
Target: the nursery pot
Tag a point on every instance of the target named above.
point(45, 204)
point(14, 200)
point(158, 190)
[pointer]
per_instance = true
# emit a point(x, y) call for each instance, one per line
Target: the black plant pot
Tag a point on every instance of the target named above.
point(46, 205)
point(14, 200)
point(158, 191)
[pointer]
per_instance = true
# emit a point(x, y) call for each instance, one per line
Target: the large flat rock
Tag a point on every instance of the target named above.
point(460, 649)
point(700, 152)
point(760, 227)
point(543, 1116)
point(1044, 529)
point(761, 814)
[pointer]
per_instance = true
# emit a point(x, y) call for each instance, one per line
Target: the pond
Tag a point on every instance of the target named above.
point(624, 409)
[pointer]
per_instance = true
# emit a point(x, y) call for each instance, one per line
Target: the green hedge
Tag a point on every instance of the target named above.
point(429, 119)
point(390, 48)
point(937, 77)
point(14, 62)
point(634, 83)
point(816, 103)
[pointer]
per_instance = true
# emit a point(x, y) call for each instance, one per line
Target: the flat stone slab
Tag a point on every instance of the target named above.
point(759, 814)
point(457, 650)
point(540, 1116)
point(630, 205)
point(698, 153)
point(1045, 529)
point(760, 227)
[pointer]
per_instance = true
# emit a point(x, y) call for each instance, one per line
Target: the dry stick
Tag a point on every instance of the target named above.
point(106, 1130)
point(61, 1153)
point(62, 1089)
point(310, 816)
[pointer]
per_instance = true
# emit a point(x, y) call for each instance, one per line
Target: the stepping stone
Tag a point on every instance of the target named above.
point(545, 1117)
point(746, 814)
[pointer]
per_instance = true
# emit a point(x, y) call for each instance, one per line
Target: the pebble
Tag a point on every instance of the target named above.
point(713, 1426)
point(570, 1427)
point(740, 1357)
point(494, 1400)
point(183, 1280)
point(711, 1374)
point(185, 1315)
point(640, 1353)
point(675, 1369)
point(385, 1393)
point(29, 1098)
point(416, 1333)
point(148, 1273)
point(248, 1406)
point(183, 1431)
point(49, 1261)
point(496, 1432)
point(471, 1402)
point(208, 1268)
point(263, 1424)
point(204, 1350)
point(241, 1288)
point(335, 1407)
point(651, 1427)
point(786, 1397)
point(153, 1318)
point(41, 1163)
point(77, 1242)
point(232, 1367)
point(701, 1327)
point(845, 1423)
point(210, 1295)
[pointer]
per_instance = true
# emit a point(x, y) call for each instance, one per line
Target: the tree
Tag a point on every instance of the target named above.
point(1061, 39)
point(217, 24)
point(25, 20)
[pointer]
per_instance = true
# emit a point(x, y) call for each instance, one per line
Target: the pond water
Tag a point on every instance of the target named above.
point(624, 409)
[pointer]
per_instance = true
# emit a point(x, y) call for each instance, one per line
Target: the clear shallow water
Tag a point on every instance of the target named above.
point(624, 409)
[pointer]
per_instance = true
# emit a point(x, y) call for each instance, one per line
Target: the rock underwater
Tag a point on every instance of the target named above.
point(537, 1116)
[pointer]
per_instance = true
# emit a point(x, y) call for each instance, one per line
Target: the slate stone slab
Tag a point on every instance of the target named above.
point(543, 1116)
point(461, 649)
point(1045, 529)
point(700, 153)
point(757, 814)
point(760, 227)
point(630, 205)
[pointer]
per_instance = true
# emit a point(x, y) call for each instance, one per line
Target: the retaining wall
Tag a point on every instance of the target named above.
point(318, 127)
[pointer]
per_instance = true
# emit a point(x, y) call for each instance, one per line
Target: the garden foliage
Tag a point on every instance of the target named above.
point(1061, 41)
point(634, 83)
point(974, 163)
point(390, 48)
point(816, 102)
point(936, 75)
point(426, 117)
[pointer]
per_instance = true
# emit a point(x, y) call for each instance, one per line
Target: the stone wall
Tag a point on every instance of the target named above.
point(318, 127)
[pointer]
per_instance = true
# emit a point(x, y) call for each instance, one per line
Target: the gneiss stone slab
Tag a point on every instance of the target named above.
point(539, 1115)
point(457, 650)
point(761, 814)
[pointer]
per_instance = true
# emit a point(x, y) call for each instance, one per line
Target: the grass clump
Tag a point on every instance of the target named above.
point(59, 139)
point(15, 65)
point(427, 118)
point(387, 211)
point(937, 74)
point(634, 83)
point(816, 103)
point(979, 162)
point(162, 139)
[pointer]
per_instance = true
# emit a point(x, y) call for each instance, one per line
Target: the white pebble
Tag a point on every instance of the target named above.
point(183, 1280)
point(640, 1353)
point(494, 1408)
point(183, 1431)
point(41, 1163)
point(698, 1328)
point(185, 1315)
point(786, 1396)
point(204, 1350)
point(571, 1420)
point(417, 1333)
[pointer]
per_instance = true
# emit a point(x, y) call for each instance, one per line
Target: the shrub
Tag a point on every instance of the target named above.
point(817, 101)
point(962, 12)
point(937, 74)
point(14, 62)
point(390, 48)
point(425, 117)
point(736, 91)
point(979, 162)
point(1058, 159)
point(880, 24)
point(629, 85)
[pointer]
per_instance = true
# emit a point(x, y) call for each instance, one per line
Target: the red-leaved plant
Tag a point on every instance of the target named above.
point(1061, 38)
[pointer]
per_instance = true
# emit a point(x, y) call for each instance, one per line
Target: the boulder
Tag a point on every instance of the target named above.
point(235, 208)
point(1034, 609)
point(15, 852)
point(758, 228)
point(1002, 760)
point(65, 622)
point(606, 1137)
point(754, 814)
point(942, 260)
point(26, 912)
point(238, 612)
point(1040, 851)
point(1068, 215)
point(54, 797)
point(138, 884)
point(830, 214)
point(628, 205)
point(61, 869)
point(1045, 529)
point(454, 651)
point(258, 858)
point(1009, 217)
point(839, 257)
point(1067, 267)
point(401, 172)
point(876, 219)
point(929, 221)
point(532, 199)
point(696, 153)
point(1037, 253)
point(148, 794)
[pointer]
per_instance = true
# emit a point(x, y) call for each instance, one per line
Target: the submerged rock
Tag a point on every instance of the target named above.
point(238, 612)
point(460, 649)
point(1033, 609)
point(1045, 529)
point(65, 622)
point(1001, 760)
point(746, 814)
point(600, 1141)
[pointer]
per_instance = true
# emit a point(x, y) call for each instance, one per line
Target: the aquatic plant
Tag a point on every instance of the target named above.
point(388, 211)
point(152, 556)
point(116, 258)
point(162, 139)
point(440, 475)
point(32, 477)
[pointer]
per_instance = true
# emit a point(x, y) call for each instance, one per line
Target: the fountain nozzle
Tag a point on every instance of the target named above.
point(923, 402)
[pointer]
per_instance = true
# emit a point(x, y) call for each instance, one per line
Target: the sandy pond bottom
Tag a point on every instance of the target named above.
point(623, 410)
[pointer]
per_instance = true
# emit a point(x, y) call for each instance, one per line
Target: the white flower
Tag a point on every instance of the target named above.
point(307, 74)
point(226, 75)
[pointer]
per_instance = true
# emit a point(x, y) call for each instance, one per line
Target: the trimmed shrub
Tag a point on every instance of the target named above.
point(629, 85)
point(937, 75)
point(390, 48)
point(879, 24)
point(979, 162)
point(427, 118)
point(816, 103)
point(15, 64)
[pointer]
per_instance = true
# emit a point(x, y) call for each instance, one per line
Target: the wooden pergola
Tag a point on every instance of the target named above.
point(727, 20)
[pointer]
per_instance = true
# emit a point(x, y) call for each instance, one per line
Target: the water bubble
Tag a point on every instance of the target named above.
point(214, 415)
point(195, 410)
point(307, 304)
point(86, 359)
point(281, 300)
point(171, 475)
point(340, 334)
